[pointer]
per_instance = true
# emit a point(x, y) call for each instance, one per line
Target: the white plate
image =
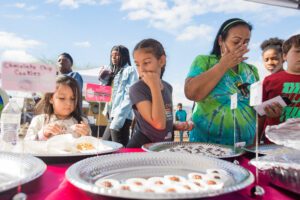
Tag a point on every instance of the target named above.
point(18, 169)
point(121, 167)
point(64, 146)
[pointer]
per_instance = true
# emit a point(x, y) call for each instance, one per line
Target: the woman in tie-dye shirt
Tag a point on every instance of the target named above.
point(211, 81)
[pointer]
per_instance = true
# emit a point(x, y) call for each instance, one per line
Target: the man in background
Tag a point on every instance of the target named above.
point(180, 116)
point(65, 63)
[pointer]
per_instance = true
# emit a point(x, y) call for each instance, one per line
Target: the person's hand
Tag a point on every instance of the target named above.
point(152, 79)
point(231, 58)
point(52, 129)
point(81, 129)
point(274, 110)
point(184, 126)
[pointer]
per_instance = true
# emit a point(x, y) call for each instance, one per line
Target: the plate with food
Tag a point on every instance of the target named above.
point(198, 148)
point(267, 149)
point(65, 146)
point(157, 176)
point(18, 169)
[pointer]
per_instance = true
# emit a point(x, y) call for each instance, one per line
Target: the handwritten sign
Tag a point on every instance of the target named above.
point(256, 94)
point(98, 93)
point(28, 77)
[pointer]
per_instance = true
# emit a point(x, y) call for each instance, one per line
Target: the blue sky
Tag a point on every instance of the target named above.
point(87, 29)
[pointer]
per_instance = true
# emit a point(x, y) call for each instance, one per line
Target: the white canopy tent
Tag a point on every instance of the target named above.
point(282, 3)
point(89, 75)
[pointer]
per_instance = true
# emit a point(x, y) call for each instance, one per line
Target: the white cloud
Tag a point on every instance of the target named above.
point(17, 56)
point(31, 17)
point(267, 15)
point(174, 14)
point(13, 16)
point(19, 5)
point(69, 3)
point(84, 44)
point(23, 6)
point(73, 4)
point(12, 41)
point(202, 31)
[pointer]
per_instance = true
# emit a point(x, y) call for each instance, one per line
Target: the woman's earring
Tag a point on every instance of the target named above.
point(221, 49)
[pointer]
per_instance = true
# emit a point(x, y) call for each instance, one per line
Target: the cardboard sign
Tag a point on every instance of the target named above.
point(256, 93)
point(28, 77)
point(233, 101)
point(98, 93)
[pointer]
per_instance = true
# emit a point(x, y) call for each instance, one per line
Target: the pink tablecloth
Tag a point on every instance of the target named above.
point(53, 185)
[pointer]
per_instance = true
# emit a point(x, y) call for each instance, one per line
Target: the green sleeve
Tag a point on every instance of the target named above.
point(255, 72)
point(199, 65)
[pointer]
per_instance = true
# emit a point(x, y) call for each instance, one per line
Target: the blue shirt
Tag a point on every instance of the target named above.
point(120, 106)
point(180, 115)
point(77, 77)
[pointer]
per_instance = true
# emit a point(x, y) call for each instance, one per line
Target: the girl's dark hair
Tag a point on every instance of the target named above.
point(223, 32)
point(289, 43)
point(124, 55)
point(154, 47)
point(67, 56)
point(45, 105)
point(272, 43)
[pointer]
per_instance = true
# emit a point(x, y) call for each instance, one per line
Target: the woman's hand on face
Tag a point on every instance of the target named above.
point(52, 129)
point(151, 79)
point(231, 58)
point(82, 128)
point(274, 110)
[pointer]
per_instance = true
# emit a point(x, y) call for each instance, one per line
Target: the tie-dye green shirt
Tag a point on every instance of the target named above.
point(212, 116)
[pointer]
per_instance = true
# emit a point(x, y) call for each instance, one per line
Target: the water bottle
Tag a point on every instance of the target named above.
point(10, 122)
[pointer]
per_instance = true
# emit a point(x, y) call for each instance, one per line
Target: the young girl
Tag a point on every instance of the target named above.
point(151, 97)
point(272, 55)
point(62, 113)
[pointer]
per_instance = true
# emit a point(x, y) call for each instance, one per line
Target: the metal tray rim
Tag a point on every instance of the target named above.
point(72, 175)
point(39, 168)
point(146, 147)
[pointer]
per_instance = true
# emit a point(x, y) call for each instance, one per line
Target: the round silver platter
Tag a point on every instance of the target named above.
point(268, 149)
point(84, 173)
point(18, 169)
point(163, 146)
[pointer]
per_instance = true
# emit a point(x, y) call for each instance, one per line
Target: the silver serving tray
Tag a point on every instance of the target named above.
point(18, 169)
point(268, 149)
point(84, 173)
point(283, 170)
point(162, 146)
point(288, 179)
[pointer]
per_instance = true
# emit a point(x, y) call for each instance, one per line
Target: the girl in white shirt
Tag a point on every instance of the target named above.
point(62, 113)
